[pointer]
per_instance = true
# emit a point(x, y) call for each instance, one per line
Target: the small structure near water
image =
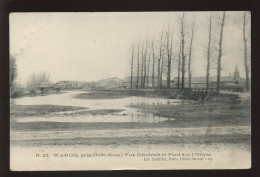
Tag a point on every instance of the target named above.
point(44, 86)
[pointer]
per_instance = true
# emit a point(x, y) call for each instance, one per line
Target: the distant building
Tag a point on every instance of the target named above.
point(148, 82)
point(70, 84)
point(235, 82)
point(110, 83)
point(60, 84)
point(44, 86)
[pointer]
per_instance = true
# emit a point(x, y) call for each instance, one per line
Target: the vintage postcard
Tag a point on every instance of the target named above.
point(130, 90)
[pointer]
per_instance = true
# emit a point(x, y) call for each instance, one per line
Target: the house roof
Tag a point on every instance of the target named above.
point(45, 84)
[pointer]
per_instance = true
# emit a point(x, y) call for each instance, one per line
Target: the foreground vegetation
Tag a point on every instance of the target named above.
point(38, 110)
point(122, 93)
point(202, 114)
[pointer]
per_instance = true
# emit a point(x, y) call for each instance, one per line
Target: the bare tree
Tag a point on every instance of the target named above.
point(208, 53)
point(144, 60)
point(182, 19)
point(179, 67)
point(162, 66)
point(245, 51)
point(190, 52)
point(12, 72)
point(142, 66)
point(159, 62)
point(153, 64)
point(138, 64)
point(36, 79)
point(169, 54)
point(220, 50)
point(132, 65)
point(148, 66)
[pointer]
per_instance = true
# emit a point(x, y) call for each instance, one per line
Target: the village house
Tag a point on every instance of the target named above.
point(234, 83)
point(148, 81)
point(45, 86)
point(70, 84)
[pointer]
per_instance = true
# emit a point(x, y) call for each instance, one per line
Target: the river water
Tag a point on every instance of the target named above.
point(67, 99)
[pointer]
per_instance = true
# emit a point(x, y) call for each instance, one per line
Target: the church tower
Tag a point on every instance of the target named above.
point(236, 73)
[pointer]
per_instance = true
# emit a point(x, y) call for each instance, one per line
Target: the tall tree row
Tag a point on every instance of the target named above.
point(151, 60)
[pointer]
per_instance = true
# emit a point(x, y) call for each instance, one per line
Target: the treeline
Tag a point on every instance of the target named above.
point(17, 90)
point(152, 60)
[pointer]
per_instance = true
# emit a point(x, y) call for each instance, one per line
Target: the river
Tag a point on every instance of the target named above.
point(67, 99)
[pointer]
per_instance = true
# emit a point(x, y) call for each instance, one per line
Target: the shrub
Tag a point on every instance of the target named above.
point(17, 93)
point(32, 91)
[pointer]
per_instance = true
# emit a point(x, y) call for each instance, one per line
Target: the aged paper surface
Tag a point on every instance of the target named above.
point(115, 91)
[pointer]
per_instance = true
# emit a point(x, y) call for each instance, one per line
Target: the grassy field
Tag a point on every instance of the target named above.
point(202, 114)
point(122, 93)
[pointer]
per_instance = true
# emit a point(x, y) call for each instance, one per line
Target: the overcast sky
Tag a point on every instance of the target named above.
point(90, 46)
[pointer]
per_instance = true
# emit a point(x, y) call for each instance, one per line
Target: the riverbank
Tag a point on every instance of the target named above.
point(122, 93)
point(39, 110)
point(197, 95)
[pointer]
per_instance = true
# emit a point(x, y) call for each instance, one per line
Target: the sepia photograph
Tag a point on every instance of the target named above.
point(130, 90)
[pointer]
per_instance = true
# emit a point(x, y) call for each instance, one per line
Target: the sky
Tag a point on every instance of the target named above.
point(91, 46)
